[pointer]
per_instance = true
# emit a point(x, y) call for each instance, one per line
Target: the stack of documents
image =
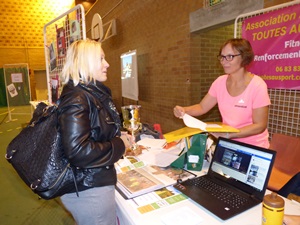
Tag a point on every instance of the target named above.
point(195, 126)
point(156, 154)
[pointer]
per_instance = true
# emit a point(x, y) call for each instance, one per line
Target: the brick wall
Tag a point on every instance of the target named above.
point(159, 30)
point(175, 66)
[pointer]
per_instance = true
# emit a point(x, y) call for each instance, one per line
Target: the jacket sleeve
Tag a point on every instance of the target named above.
point(79, 146)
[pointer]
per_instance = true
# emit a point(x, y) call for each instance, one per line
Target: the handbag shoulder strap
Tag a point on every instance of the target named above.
point(42, 112)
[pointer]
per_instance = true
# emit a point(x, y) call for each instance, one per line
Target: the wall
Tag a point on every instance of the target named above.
point(41, 89)
point(175, 66)
point(21, 31)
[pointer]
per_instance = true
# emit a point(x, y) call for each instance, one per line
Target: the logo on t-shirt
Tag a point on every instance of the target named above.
point(240, 104)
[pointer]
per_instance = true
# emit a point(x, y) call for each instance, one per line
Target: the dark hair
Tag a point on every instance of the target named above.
point(243, 46)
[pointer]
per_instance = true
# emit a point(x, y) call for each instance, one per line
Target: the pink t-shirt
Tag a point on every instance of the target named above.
point(237, 111)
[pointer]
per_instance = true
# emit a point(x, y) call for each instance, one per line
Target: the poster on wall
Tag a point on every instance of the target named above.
point(129, 75)
point(275, 38)
point(61, 42)
point(52, 56)
point(74, 31)
point(12, 90)
point(17, 77)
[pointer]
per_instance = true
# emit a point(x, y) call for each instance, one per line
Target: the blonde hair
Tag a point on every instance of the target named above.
point(81, 61)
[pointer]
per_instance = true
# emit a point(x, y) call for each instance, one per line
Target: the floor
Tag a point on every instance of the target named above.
point(18, 204)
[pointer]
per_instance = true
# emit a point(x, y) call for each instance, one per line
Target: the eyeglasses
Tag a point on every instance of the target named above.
point(227, 57)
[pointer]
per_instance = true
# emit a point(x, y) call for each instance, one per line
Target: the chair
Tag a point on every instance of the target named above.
point(287, 160)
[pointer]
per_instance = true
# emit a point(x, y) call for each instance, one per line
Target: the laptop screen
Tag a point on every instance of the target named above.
point(243, 163)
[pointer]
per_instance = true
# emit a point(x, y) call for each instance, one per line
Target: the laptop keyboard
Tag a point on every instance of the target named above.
point(220, 192)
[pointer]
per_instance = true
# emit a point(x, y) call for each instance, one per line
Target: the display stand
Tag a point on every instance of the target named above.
point(59, 34)
point(18, 95)
point(284, 111)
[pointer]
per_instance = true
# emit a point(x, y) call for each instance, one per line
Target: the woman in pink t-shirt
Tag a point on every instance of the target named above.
point(242, 97)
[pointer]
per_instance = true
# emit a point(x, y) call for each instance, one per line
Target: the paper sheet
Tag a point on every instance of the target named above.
point(152, 143)
point(158, 158)
point(190, 121)
point(183, 215)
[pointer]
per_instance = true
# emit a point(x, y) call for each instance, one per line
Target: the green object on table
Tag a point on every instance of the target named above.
point(196, 153)
point(180, 161)
point(194, 157)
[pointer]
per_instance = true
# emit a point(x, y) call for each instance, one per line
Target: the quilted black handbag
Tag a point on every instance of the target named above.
point(36, 154)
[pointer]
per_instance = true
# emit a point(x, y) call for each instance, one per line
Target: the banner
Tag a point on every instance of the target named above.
point(275, 39)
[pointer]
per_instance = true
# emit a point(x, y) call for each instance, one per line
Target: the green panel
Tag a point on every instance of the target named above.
point(17, 82)
point(2, 89)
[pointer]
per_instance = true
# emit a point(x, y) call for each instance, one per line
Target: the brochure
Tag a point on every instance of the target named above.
point(135, 181)
point(158, 199)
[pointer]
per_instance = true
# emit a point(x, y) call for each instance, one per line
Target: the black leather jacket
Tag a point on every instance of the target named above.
point(90, 129)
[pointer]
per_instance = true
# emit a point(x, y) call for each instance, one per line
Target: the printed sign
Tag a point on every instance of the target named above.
point(17, 77)
point(275, 38)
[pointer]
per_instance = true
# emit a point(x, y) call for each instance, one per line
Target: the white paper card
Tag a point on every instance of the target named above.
point(190, 121)
point(158, 158)
point(152, 143)
point(193, 158)
point(182, 216)
point(12, 90)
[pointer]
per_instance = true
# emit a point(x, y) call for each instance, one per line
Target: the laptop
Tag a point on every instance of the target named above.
point(239, 172)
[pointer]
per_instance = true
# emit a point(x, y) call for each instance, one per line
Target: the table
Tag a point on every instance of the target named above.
point(128, 215)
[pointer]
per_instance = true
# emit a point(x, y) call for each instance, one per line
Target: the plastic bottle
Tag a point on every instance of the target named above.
point(272, 209)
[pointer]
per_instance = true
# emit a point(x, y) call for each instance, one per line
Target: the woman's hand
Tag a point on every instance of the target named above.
point(127, 139)
point(217, 135)
point(178, 111)
point(291, 220)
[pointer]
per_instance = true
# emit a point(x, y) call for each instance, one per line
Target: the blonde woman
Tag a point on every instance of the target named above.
point(90, 129)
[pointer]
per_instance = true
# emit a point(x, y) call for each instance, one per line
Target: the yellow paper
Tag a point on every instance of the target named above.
point(181, 133)
point(219, 128)
point(215, 127)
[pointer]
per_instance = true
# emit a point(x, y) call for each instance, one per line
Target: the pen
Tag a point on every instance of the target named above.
point(181, 152)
